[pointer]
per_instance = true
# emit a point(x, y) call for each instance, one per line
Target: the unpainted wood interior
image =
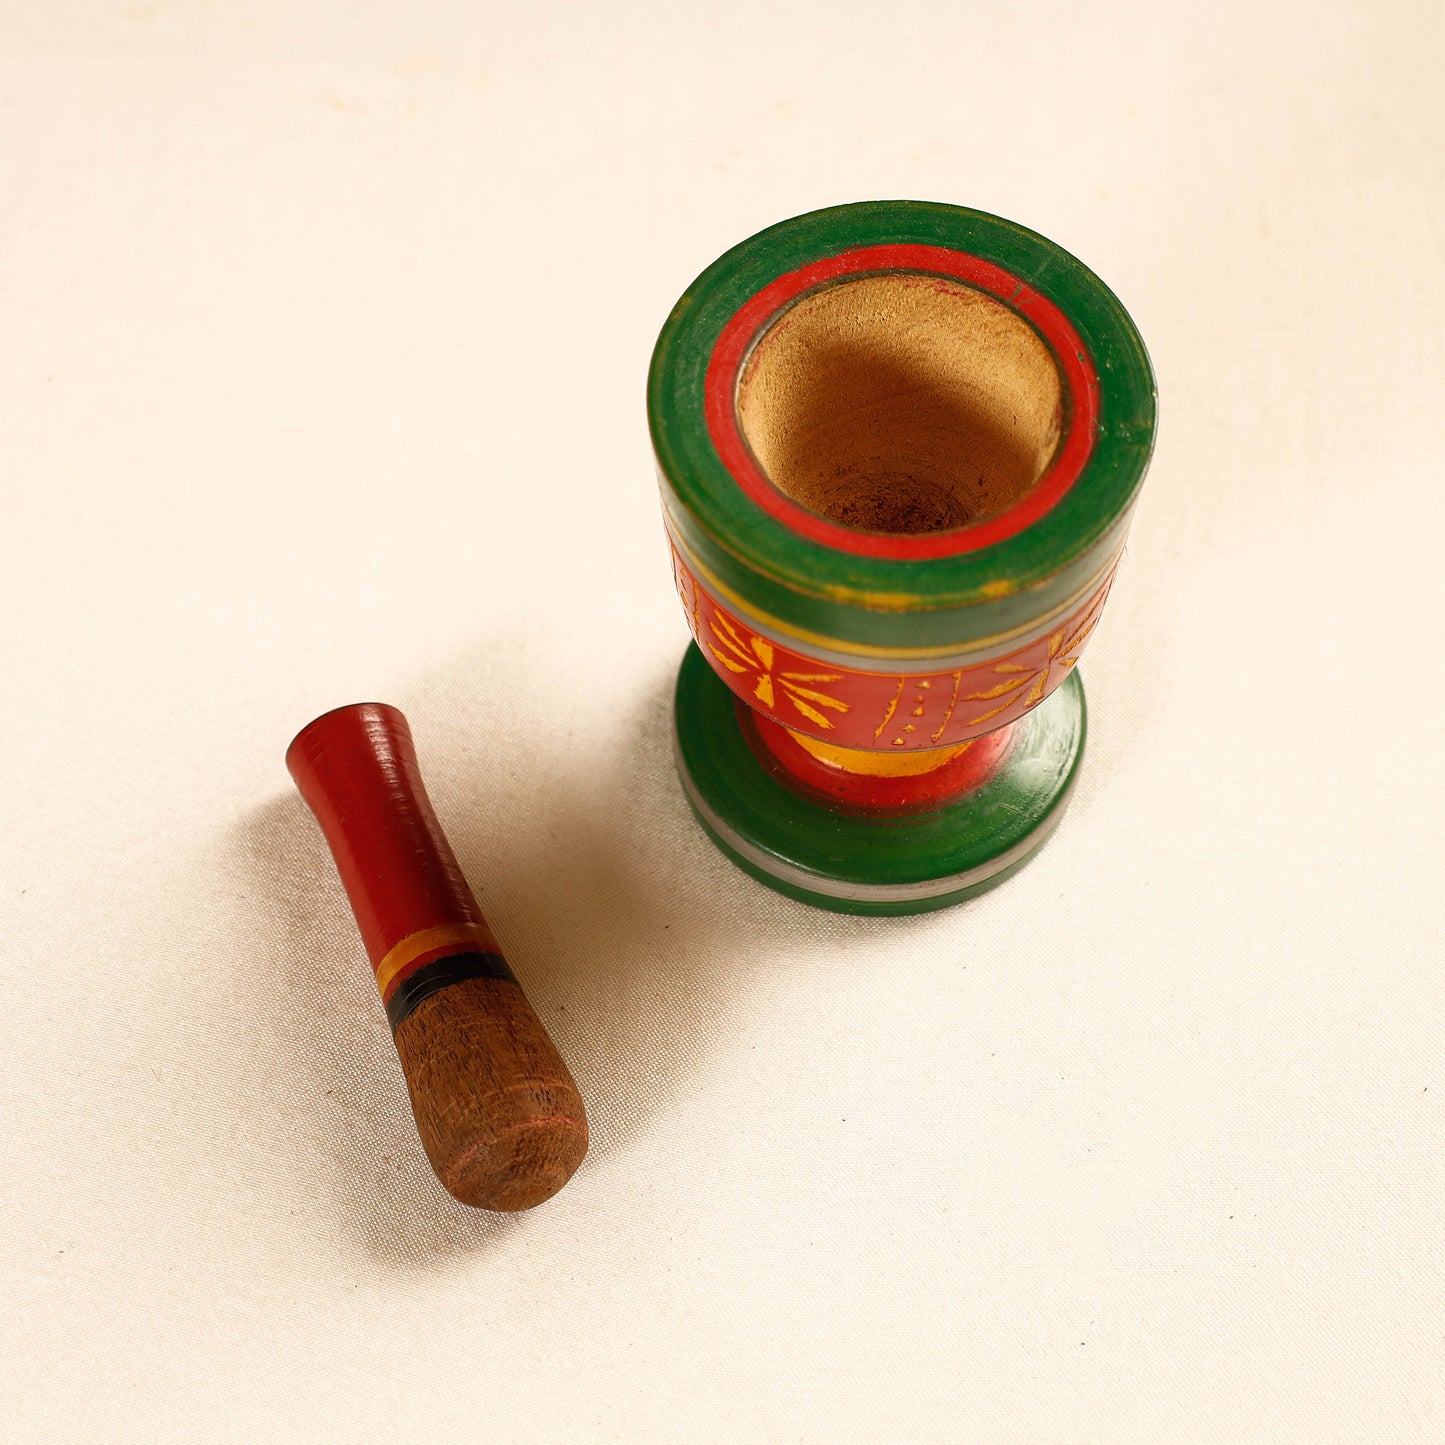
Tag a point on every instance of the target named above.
point(901, 403)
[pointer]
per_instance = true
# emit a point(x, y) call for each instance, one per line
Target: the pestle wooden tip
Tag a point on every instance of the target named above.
point(498, 1114)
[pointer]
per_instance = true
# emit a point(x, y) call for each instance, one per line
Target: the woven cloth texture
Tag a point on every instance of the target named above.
point(325, 335)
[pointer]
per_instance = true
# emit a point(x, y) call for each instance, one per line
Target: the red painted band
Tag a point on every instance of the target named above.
point(357, 770)
point(879, 711)
point(1081, 392)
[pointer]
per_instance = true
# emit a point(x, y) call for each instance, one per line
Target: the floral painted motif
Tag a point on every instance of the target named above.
point(874, 710)
point(756, 658)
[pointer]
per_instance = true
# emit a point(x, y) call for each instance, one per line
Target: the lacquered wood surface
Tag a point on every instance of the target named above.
point(498, 1113)
point(883, 590)
point(873, 864)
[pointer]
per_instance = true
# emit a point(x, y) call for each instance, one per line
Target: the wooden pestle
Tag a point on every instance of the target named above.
point(499, 1116)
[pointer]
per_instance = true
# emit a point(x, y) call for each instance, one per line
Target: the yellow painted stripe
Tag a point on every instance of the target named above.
point(464, 937)
point(880, 765)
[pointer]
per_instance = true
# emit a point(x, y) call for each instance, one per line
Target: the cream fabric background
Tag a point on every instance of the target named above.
point(325, 331)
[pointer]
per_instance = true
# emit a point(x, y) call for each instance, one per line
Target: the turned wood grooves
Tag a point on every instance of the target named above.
point(498, 1114)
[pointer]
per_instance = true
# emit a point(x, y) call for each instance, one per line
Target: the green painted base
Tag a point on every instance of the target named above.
point(852, 864)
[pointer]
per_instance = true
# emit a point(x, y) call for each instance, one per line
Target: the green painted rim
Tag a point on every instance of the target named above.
point(883, 602)
point(854, 864)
